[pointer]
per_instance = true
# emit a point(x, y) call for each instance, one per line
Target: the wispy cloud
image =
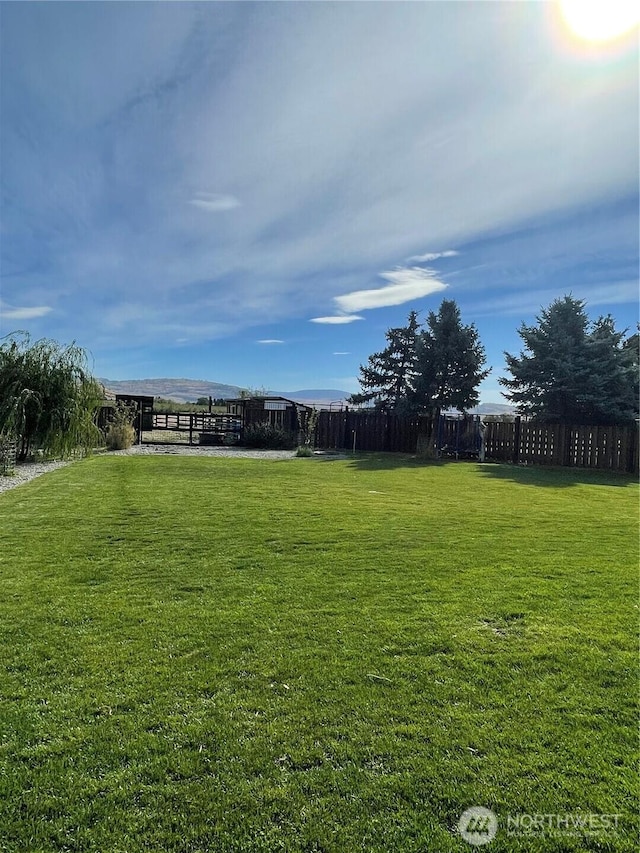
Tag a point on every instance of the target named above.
point(530, 302)
point(341, 353)
point(214, 202)
point(407, 284)
point(9, 313)
point(270, 341)
point(338, 320)
point(433, 256)
point(274, 188)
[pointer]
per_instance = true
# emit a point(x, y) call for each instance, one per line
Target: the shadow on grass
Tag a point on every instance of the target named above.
point(540, 475)
point(527, 475)
point(371, 461)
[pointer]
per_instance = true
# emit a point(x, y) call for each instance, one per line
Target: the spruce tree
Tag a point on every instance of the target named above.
point(439, 367)
point(572, 370)
point(387, 379)
point(450, 362)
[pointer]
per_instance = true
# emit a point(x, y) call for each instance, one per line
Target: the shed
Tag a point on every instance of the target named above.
point(277, 411)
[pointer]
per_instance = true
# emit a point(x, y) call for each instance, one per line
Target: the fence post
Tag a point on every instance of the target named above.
point(517, 429)
point(632, 452)
point(565, 437)
point(346, 436)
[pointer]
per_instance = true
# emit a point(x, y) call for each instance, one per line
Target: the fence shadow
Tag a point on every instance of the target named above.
point(378, 461)
point(554, 476)
point(527, 475)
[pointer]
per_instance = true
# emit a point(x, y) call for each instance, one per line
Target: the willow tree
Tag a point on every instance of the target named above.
point(48, 398)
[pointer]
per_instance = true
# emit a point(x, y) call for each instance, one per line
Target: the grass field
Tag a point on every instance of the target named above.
point(204, 654)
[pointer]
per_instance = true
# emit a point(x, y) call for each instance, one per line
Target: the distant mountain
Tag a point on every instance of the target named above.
point(180, 390)
point(189, 390)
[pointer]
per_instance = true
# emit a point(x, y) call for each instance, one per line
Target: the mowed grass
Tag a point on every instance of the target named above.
point(204, 654)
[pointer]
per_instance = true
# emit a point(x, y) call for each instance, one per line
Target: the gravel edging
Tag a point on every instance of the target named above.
point(26, 471)
point(186, 450)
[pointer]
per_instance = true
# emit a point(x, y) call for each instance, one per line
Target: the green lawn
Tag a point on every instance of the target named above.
point(206, 654)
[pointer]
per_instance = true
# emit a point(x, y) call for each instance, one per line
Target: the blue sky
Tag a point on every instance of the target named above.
point(218, 190)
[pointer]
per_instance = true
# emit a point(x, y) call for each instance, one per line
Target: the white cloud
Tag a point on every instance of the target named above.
point(407, 284)
point(8, 313)
point(337, 320)
point(214, 202)
point(342, 353)
point(433, 256)
point(270, 341)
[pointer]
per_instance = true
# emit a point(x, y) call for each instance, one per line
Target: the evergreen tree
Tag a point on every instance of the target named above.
point(437, 368)
point(449, 362)
point(572, 370)
point(387, 378)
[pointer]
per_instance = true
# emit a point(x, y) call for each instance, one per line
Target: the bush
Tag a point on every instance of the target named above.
point(120, 436)
point(267, 436)
point(304, 450)
point(120, 432)
point(308, 424)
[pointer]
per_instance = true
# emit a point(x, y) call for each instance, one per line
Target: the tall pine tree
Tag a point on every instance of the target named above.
point(450, 362)
point(572, 370)
point(387, 379)
point(439, 367)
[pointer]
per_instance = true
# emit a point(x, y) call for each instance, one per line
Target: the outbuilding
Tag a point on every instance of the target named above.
point(277, 411)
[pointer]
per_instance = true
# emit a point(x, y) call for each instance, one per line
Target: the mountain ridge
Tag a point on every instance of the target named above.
point(185, 390)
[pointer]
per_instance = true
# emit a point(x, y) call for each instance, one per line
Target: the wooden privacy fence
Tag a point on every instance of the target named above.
point(613, 448)
point(370, 431)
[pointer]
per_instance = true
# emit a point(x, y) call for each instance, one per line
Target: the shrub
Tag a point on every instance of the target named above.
point(120, 432)
point(308, 423)
point(120, 436)
point(267, 436)
point(304, 450)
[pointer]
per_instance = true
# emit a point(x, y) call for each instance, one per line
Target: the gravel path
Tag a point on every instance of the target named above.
point(26, 471)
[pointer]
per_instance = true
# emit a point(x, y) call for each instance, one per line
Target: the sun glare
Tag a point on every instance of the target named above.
point(601, 20)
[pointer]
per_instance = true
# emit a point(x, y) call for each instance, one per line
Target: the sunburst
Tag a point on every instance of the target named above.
point(600, 20)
